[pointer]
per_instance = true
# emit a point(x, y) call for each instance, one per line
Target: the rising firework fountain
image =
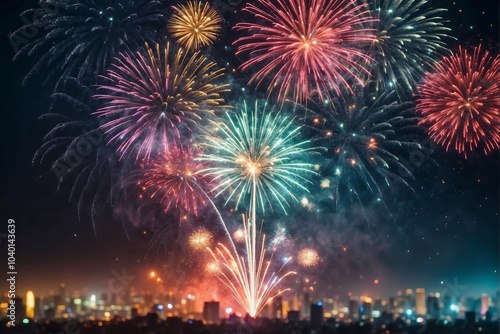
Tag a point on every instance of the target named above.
point(254, 157)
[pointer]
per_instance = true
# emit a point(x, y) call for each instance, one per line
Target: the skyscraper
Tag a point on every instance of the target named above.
point(62, 293)
point(211, 312)
point(484, 303)
point(353, 308)
point(294, 304)
point(316, 315)
point(433, 308)
point(30, 305)
point(366, 310)
point(277, 309)
point(420, 304)
point(306, 304)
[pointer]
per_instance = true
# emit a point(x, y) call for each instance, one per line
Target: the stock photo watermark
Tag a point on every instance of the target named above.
point(33, 24)
point(74, 157)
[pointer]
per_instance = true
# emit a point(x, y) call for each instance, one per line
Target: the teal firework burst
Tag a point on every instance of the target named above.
point(257, 155)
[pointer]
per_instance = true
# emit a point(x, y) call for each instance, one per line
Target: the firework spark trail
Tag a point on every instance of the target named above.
point(460, 100)
point(306, 45)
point(252, 297)
point(251, 282)
point(255, 157)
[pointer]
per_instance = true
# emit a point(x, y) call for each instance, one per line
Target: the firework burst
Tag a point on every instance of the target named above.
point(81, 37)
point(200, 239)
point(174, 177)
point(460, 99)
point(239, 235)
point(195, 25)
point(153, 97)
point(305, 45)
point(280, 238)
point(74, 150)
point(366, 139)
point(255, 155)
point(409, 39)
point(307, 257)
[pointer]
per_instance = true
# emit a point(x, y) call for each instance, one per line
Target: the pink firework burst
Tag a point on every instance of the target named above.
point(306, 45)
point(174, 178)
point(156, 95)
point(460, 100)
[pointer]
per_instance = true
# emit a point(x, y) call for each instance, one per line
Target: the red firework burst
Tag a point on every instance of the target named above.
point(461, 102)
point(306, 45)
point(174, 177)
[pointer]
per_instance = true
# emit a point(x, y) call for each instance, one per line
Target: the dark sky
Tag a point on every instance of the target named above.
point(448, 230)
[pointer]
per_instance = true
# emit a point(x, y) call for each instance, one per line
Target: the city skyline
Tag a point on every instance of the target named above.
point(235, 166)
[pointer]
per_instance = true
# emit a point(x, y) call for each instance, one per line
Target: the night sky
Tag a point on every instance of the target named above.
point(447, 230)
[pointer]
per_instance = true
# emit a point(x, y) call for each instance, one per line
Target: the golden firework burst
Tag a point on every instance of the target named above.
point(308, 257)
point(195, 25)
point(200, 239)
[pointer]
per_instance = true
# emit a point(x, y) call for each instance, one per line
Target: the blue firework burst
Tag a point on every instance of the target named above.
point(79, 38)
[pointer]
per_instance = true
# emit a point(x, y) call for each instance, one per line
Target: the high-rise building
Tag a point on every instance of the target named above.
point(62, 292)
point(484, 303)
point(286, 308)
point(293, 316)
point(20, 308)
point(391, 306)
point(30, 305)
point(316, 315)
point(377, 305)
point(294, 304)
point(134, 312)
point(420, 302)
point(365, 311)
point(353, 308)
point(38, 308)
point(306, 305)
point(277, 309)
point(433, 308)
point(211, 312)
point(470, 317)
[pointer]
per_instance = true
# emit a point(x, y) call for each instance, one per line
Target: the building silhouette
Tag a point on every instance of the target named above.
point(433, 308)
point(353, 308)
point(420, 302)
point(484, 303)
point(211, 312)
point(316, 315)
